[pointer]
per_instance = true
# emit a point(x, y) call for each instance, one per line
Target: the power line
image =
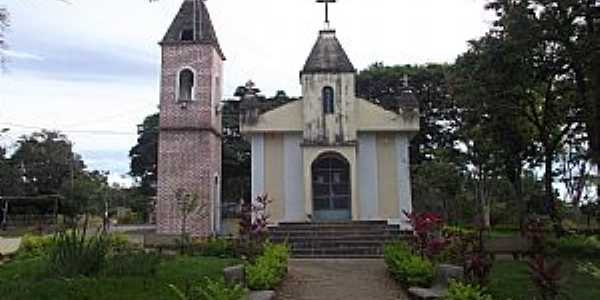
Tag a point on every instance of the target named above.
point(92, 132)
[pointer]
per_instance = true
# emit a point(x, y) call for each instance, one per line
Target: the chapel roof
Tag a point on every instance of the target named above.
point(193, 15)
point(328, 56)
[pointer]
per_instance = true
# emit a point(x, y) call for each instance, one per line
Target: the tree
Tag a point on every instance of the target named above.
point(525, 75)
point(85, 195)
point(45, 161)
point(144, 155)
point(383, 85)
point(236, 156)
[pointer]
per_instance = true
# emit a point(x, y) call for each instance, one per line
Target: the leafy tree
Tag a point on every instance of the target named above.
point(144, 155)
point(497, 138)
point(84, 195)
point(383, 85)
point(45, 161)
point(236, 156)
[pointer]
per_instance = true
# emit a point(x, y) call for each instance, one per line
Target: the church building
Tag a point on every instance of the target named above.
point(327, 157)
point(331, 156)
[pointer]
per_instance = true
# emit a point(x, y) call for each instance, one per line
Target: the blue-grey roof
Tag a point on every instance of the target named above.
point(328, 56)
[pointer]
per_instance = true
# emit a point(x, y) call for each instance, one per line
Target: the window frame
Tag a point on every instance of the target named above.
point(328, 104)
point(193, 87)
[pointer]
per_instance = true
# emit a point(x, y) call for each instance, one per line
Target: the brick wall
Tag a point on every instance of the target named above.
point(189, 156)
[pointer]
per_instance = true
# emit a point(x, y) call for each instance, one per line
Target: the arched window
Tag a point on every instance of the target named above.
point(328, 100)
point(186, 85)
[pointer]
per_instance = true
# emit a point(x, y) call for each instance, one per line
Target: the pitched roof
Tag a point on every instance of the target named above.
point(199, 22)
point(328, 56)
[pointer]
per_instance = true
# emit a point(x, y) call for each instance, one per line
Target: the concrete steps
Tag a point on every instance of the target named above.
point(364, 239)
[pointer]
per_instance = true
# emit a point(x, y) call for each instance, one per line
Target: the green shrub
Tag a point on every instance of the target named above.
point(462, 291)
point(408, 269)
point(579, 246)
point(215, 247)
point(269, 269)
point(73, 254)
point(132, 264)
point(211, 290)
point(35, 246)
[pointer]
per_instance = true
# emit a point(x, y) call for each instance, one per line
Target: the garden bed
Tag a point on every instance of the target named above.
point(28, 279)
point(511, 280)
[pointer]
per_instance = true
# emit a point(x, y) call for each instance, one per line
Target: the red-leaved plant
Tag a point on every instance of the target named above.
point(425, 226)
point(253, 226)
point(545, 275)
point(478, 262)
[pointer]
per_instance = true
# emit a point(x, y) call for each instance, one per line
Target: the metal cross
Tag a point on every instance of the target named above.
point(326, 8)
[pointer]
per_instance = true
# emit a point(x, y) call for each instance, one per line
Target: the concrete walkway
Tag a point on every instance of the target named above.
point(339, 279)
point(9, 246)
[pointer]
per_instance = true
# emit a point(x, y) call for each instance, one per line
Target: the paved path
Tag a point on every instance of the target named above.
point(9, 246)
point(339, 279)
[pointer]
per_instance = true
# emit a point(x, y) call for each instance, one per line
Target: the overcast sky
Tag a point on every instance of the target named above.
point(91, 68)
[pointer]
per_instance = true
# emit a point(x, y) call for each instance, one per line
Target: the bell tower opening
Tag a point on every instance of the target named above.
point(186, 85)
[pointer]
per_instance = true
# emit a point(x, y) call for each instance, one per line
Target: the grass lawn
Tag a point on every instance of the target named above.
point(27, 280)
point(510, 280)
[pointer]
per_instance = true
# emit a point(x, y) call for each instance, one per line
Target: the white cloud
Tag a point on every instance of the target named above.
point(20, 55)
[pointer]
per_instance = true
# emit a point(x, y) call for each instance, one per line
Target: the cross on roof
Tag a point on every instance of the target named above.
point(326, 9)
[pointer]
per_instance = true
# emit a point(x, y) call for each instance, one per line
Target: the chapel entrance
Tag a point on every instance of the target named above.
point(331, 188)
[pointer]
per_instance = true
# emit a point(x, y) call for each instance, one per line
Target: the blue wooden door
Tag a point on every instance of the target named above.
point(331, 189)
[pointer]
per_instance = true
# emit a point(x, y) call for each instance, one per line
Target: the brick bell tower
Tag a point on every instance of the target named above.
point(189, 157)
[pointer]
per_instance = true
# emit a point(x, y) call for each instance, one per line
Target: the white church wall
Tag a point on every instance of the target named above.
point(293, 179)
point(403, 186)
point(368, 187)
point(258, 165)
point(274, 173)
point(387, 175)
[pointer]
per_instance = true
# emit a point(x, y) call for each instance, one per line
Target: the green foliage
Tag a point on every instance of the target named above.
point(144, 155)
point(132, 264)
point(269, 269)
point(35, 246)
point(215, 247)
point(589, 268)
point(29, 279)
point(579, 246)
point(130, 218)
point(209, 289)
point(74, 254)
point(408, 269)
point(47, 161)
point(462, 291)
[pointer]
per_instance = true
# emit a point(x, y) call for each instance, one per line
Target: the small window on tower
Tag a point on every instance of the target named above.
point(186, 85)
point(187, 35)
point(328, 100)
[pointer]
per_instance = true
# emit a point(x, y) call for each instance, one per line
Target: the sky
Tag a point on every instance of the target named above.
point(90, 68)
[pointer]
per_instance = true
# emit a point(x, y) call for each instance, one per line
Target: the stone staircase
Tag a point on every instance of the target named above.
point(361, 239)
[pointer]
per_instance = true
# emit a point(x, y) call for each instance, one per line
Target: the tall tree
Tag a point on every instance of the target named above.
point(45, 161)
point(144, 155)
point(498, 140)
point(534, 80)
point(384, 85)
